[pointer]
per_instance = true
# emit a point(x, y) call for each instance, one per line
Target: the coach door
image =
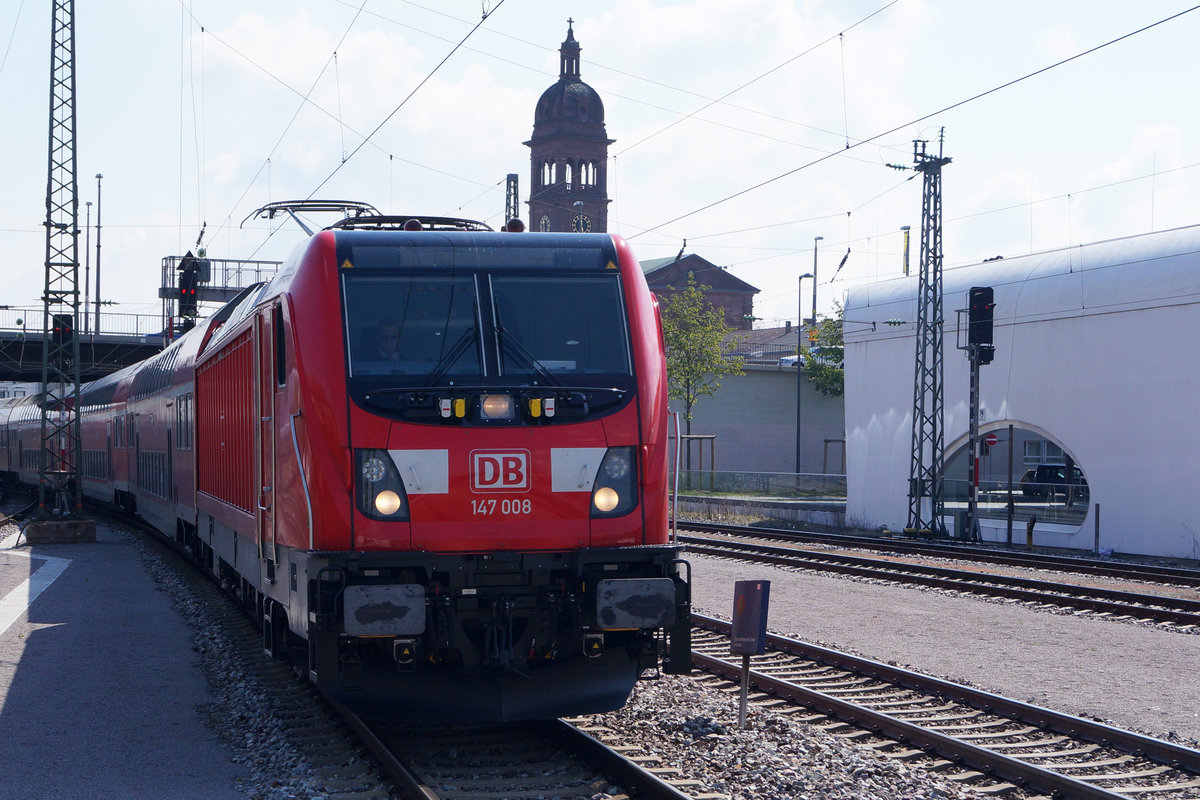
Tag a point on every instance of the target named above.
point(265, 391)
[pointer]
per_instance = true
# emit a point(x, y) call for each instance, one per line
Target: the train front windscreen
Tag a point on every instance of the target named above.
point(510, 326)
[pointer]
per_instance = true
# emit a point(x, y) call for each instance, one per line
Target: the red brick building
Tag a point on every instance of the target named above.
point(731, 294)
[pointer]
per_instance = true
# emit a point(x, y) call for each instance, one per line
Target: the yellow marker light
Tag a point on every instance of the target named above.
point(387, 502)
point(496, 406)
point(535, 407)
point(460, 407)
point(607, 499)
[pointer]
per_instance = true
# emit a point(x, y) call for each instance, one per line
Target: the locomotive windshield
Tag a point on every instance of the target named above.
point(413, 325)
point(422, 328)
point(561, 326)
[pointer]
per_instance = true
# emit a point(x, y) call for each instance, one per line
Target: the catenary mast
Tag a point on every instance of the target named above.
point(59, 490)
point(926, 477)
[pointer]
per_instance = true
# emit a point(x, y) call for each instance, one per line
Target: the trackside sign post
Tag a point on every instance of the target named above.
point(749, 637)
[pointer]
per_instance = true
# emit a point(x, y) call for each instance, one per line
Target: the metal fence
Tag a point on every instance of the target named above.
point(1053, 503)
point(765, 354)
point(29, 321)
point(221, 273)
point(766, 485)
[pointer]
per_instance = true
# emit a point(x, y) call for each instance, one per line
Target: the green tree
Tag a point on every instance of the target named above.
point(823, 362)
point(698, 344)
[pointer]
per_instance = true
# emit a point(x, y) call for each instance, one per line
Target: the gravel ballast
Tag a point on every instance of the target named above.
point(1136, 676)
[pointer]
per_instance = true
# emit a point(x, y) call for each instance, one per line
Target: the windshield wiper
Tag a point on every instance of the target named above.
point(518, 350)
point(448, 360)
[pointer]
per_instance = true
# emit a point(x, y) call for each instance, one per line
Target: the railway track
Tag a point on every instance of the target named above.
point(1181, 612)
point(1029, 747)
point(1150, 572)
point(527, 761)
point(1020, 745)
point(514, 761)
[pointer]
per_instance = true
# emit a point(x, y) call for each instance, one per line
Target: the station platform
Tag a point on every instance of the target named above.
point(101, 694)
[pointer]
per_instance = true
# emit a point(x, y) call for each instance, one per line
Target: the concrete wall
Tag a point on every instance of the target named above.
point(754, 419)
point(1095, 350)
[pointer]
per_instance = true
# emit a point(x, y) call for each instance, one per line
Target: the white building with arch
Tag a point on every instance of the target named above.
point(1096, 360)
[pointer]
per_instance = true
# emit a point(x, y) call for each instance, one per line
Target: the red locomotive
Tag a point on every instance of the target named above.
point(433, 461)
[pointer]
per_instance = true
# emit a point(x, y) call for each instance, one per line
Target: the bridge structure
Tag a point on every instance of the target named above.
point(109, 341)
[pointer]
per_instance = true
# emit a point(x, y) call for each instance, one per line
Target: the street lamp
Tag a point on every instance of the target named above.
point(87, 264)
point(799, 360)
point(814, 277)
point(96, 329)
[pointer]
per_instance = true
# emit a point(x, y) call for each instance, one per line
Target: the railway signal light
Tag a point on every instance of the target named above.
point(64, 336)
point(979, 315)
point(188, 278)
point(64, 329)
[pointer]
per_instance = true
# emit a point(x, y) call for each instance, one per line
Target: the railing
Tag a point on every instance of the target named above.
point(764, 354)
point(1064, 504)
point(765, 485)
point(29, 322)
point(226, 273)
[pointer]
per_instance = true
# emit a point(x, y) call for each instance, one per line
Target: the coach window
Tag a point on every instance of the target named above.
point(280, 348)
point(183, 422)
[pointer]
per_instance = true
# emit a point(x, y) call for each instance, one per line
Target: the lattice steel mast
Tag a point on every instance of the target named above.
point(512, 201)
point(926, 477)
point(60, 431)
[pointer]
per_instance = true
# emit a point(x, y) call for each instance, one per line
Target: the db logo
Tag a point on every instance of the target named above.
point(500, 471)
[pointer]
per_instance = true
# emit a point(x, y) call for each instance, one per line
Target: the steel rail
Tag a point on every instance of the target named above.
point(1081, 564)
point(1077, 727)
point(1156, 607)
point(641, 782)
point(406, 780)
point(1006, 767)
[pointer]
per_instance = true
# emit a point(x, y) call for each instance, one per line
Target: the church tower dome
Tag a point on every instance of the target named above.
point(569, 152)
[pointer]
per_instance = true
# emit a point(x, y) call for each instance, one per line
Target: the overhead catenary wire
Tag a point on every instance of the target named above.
point(11, 36)
point(486, 15)
point(916, 121)
point(304, 101)
point(758, 78)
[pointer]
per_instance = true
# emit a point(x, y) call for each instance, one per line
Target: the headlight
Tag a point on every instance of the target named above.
point(380, 492)
point(497, 406)
point(615, 492)
point(607, 499)
point(388, 502)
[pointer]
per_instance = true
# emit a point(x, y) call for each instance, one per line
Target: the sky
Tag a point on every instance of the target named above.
point(746, 129)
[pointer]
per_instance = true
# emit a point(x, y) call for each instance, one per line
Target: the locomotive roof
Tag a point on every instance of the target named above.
point(483, 248)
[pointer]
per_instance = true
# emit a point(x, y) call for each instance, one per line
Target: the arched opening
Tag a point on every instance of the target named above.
point(1037, 472)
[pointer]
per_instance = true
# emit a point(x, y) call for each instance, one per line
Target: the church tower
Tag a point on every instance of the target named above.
point(569, 152)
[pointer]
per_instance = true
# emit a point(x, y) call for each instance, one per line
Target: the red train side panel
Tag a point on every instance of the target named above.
point(225, 425)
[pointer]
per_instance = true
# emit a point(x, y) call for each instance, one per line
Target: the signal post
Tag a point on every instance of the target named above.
point(980, 351)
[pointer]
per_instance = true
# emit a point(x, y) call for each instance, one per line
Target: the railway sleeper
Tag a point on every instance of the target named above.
point(1108, 762)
